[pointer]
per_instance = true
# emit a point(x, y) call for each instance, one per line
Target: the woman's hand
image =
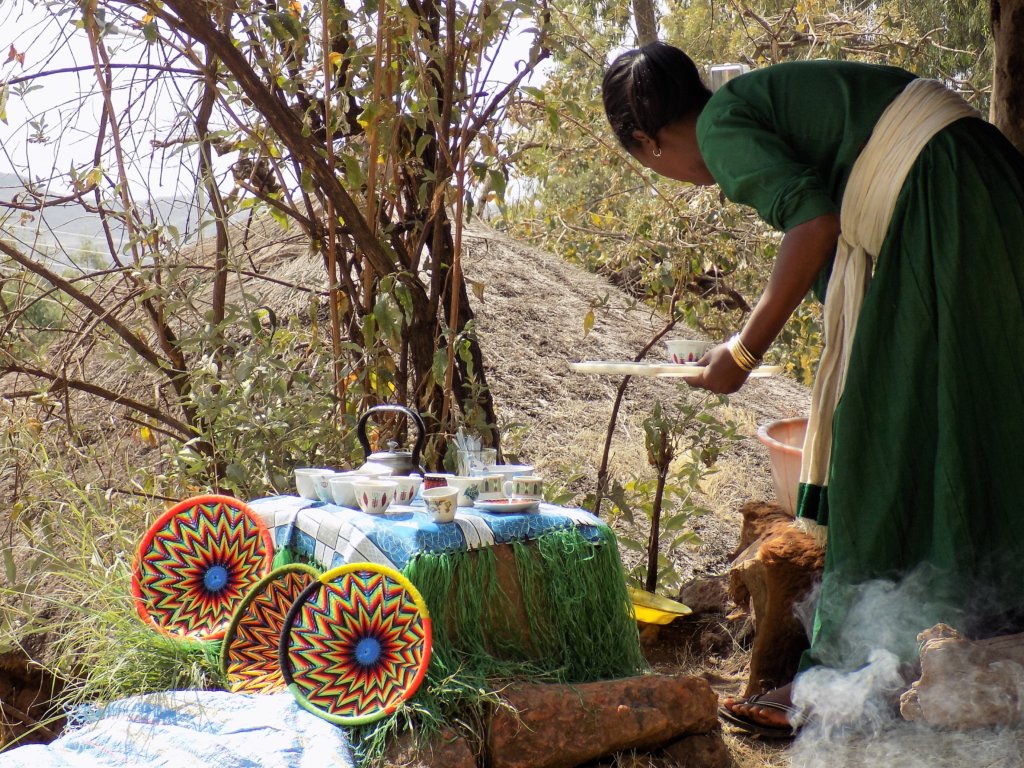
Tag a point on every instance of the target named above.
point(803, 252)
point(720, 374)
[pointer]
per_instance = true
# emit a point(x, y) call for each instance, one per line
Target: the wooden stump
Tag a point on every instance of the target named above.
point(559, 726)
point(774, 573)
point(967, 683)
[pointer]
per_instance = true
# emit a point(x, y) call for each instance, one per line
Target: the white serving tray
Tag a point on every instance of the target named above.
point(665, 370)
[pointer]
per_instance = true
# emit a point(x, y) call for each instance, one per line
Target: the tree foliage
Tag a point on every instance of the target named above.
point(591, 203)
point(363, 127)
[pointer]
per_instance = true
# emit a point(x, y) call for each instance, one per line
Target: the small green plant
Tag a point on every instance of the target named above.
point(683, 441)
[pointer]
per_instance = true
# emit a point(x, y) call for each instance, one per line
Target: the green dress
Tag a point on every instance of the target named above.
point(924, 512)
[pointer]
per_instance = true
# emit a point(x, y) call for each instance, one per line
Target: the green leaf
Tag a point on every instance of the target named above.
point(554, 119)
point(5, 91)
point(384, 314)
point(499, 182)
point(354, 171)
point(279, 216)
point(404, 296)
point(440, 366)
point(628, 543)
point(10, 569)
point(675, 522)
point(421, 144)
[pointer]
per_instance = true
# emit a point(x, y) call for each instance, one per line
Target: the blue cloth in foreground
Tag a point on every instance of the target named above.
point(186, 729)
point(334, 535)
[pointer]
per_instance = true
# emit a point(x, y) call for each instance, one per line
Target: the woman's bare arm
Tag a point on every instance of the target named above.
point(803, 252)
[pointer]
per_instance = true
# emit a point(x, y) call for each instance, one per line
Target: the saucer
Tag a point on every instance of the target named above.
point(507, 505)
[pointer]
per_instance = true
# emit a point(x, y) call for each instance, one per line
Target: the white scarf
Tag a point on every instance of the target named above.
point(923, 109)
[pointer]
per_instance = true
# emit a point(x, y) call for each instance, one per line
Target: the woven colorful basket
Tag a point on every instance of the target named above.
point(195, 564)
point(249, 656)
point(356, 644)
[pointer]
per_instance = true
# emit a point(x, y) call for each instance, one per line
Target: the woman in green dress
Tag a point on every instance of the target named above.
point(922, 452)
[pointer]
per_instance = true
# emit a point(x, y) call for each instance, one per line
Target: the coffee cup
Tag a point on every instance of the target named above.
point(686, 351)
point(441, 503)
point(308, 482)
point(491, 486)
point(435, 479)
point(407, 487)
point(524, 487)
point(342, 490)
point(374, 496)
point(469, 488)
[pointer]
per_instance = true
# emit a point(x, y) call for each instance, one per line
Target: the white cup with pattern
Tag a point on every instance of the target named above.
point(441, 503)
point(375, 496)
point(407, 487)
point(525, 487)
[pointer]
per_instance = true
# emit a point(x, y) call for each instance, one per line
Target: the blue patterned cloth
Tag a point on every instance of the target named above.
point(192, 729)
point(333, 535)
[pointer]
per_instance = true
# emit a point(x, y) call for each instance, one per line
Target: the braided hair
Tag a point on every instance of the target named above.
point(648, 88)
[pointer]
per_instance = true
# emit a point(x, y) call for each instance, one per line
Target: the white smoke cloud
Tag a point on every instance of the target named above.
point(855, 719)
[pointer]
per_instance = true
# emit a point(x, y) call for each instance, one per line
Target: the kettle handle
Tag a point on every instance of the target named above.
point(421, 429)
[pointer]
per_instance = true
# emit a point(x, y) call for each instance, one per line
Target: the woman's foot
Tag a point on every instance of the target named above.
point(767, 712)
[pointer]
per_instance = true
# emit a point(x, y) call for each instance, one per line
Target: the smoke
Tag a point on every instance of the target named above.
point(854, 717)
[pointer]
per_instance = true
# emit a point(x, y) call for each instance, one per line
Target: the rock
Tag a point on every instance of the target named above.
point(703, 750)
point(559, 726)
point(707, 595)
point(27, 691)
point(715, 641)
point(447, 749)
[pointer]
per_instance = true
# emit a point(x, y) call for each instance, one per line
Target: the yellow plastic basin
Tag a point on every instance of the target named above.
point(655, 609)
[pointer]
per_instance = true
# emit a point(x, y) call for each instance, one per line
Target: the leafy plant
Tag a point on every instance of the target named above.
point(362, 129)
point(67, 561)
point(683, 441)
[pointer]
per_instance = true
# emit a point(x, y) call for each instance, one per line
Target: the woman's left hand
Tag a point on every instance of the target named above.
point(720, 374)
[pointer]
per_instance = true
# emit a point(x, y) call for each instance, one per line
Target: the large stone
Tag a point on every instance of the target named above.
point(560, 726)
point(446, 749)
point(703, 750)
point(707, 595)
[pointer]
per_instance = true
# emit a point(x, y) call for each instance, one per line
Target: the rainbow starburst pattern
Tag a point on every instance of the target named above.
point(356, 644)
point(196, 563)
point(249, 656)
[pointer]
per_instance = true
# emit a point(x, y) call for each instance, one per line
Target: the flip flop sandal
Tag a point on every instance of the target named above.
point(749, 726)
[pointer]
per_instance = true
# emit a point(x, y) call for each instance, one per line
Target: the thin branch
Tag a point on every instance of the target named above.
point(89, 67)
point(89, 303)
point(184, 431)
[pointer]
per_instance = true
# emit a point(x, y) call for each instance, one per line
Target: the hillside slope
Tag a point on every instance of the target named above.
point(530, 326)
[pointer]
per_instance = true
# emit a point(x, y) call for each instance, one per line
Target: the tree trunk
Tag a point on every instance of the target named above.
point(1007, 112)
point(646, 22)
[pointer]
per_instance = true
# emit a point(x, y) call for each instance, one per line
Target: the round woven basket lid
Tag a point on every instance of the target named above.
point(356, 644)
point(249, 655)
point(195, 564)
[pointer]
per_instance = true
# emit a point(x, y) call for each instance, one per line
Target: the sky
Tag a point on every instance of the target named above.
point(47, 128)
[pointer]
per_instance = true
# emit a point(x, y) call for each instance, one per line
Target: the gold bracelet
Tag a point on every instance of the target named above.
point(741, 355)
